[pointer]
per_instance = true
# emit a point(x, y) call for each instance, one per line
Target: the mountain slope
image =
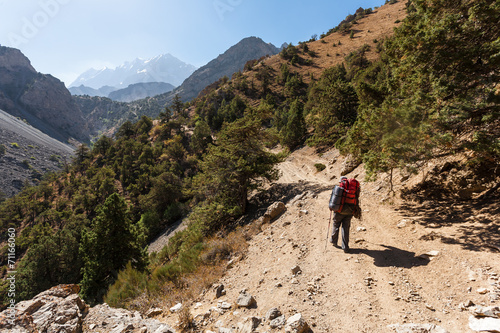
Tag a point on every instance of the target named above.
point(41, 99)
point(226, 64)
point(164, 68)
point(29, 154)
point(140, 90)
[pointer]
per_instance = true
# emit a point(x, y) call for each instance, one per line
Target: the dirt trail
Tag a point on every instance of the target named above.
point(383, 280)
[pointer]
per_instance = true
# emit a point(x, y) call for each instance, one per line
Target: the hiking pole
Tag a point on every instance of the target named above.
point(328, 230)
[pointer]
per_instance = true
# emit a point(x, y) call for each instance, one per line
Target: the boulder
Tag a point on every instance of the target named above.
point(296, 324)
point(275, 210)
point(349, 164)
point(103, 318)
point(246, 301)
point(272, 313)
point(249, 325)
point(57, 309)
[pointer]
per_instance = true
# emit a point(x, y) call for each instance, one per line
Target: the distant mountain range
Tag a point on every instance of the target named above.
point(104, 115)
point(133, 80)
point(164, 68)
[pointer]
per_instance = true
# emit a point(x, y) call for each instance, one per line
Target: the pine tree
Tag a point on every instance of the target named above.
point(107, 246)
point(293, 133)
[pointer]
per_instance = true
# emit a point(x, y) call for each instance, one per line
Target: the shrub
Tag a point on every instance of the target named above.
point(320, 167)
point(14, 145)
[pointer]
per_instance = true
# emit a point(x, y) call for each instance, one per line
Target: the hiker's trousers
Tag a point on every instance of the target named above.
point(343, 221)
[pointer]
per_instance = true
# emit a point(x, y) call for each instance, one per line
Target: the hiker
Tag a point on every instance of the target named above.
point(343, 213)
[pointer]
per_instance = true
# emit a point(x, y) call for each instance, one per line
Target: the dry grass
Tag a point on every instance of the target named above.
point(332, 49)
point(211, 266)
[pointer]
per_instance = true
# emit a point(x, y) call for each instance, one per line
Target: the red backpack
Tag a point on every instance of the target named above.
point(347, 192)
point(351, 191)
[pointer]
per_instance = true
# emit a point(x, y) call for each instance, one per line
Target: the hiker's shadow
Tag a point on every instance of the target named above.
point(392, 256)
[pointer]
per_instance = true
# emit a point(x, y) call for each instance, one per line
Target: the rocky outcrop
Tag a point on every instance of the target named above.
point(60, 309)
point(102, 318)
point(42, 100)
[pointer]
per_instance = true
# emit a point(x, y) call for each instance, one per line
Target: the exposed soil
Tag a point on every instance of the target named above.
point(386, 279)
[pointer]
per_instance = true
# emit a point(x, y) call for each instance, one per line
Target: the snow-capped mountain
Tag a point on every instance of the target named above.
point(164, 68)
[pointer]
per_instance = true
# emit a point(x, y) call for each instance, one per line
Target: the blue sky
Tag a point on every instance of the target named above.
point(66, 37)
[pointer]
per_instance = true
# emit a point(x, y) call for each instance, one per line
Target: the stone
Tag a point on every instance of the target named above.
point(482, 311)
point(417, 328)
point(486, 324)
point(176, 308)
point(219, 290)
point(272, 313)
point(249, 325)
point(275, 210)
point(154, 312)
point(277, 322)
point(245, 300)
point(482, 291)
point(296, 324)
point(224, 305)
point(296, 269)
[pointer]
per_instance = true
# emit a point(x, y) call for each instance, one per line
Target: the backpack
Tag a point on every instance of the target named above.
point(346, 192)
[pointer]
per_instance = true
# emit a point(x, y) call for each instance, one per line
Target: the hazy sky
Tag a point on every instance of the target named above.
point(66, 37)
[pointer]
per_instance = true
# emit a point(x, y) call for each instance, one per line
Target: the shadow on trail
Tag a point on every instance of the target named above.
point(477, 222)
point(392, 256)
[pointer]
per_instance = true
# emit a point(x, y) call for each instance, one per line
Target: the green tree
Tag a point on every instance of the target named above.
point(294, 131)
point(202, 137)
point(331, 107)
point(107, 246)
point(177, 105)
point(237, 163)
point(51, 260)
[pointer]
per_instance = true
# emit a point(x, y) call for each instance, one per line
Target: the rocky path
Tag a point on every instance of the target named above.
point(396, 273)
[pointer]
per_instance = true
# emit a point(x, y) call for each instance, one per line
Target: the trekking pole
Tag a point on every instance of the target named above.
point(328, 230)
